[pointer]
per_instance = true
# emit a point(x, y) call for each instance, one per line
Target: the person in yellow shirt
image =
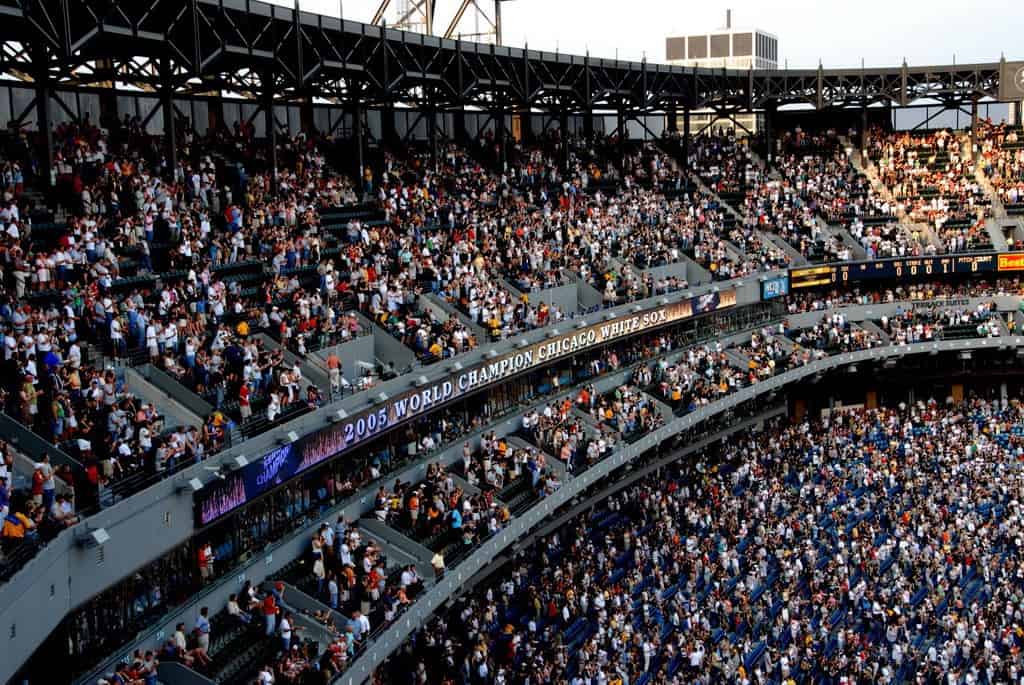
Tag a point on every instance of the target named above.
point(436, 349)
point(17, 525)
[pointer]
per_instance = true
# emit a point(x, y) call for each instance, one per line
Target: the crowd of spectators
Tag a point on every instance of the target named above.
point(866, 545)
point(767, 355)
point(1002, 160)
point(627, 410)
point(498, 464)
point(726, 167)
point(910, 292)
point(440, 512)
point(562, 430)
point(701, 375)
point(932, 179)
point(158, 261)
point(814, 181)
point(34, 511)
point(936, 322)
point(833, 334)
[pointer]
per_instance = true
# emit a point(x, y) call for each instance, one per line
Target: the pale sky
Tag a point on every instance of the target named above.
point(882, 32)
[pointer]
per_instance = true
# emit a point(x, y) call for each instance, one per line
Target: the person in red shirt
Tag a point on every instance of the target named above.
point(244, 408)
point(270, 613)
point(37, 486)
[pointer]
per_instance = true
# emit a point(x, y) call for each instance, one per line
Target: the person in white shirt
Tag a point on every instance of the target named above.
point(286, 632)
point(116, 336)
point(266, 676)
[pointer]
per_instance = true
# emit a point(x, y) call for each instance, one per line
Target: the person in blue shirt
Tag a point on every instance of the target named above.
point(456, 519)
point(203, 626)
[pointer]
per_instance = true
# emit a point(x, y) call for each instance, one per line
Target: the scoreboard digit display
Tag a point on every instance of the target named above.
point(904, 268)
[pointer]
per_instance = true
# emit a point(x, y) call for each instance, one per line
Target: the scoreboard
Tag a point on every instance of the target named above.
point(905, 268)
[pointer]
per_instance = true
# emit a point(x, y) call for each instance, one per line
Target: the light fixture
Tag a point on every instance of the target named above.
point(189, 486)
point(93, 538)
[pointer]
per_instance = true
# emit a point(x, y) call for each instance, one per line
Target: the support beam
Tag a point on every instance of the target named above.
point(271, 126)
point(974, 125)
point(497, 21)
point(864, 127)
point(622, 128)
point(307, 121)
point(170, 117)
point(215, 118)
point(432, 132)
point(672, 116)
point(357, 132)
point(501, 136)
point(563, 132)
point(44, 113)
point(769, 133)
point(389, 128)
point(459, 133)
point(109, 118)
point(686, 140)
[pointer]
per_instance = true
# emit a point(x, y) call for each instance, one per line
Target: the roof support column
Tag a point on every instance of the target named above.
point(44, 118)
point(621, 126)
point(672, 118)
point(389, 125)
point(501, 136)
point(525, 126)
point(459, 127)
point(306, 119)
point(109, 118)
point(357, 133)
point(170, 120)
point(215, 117)
point(686, 143)
point(864, 127)
point(271, 126)
point(974, 125)
point(563, 134)
point(769, 132)
point(432, 132)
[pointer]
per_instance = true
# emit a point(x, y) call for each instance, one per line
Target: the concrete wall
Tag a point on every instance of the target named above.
point(175, 413)
point(678, 269)
point(350, 353)
point(588, 296)
point(565, 297)
point(311, 373)
point(169, 385)
point(387, 348)
point(444, 310)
